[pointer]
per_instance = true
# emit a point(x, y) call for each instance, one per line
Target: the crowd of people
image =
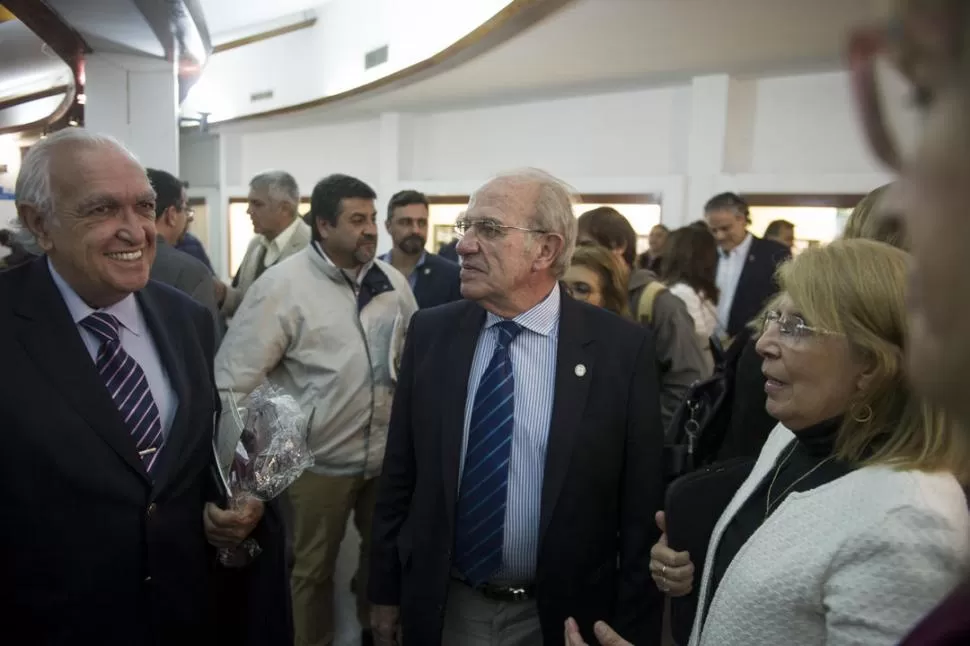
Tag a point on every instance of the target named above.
point(500, 429)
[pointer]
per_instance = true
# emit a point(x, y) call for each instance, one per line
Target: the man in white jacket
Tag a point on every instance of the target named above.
point(327, 326)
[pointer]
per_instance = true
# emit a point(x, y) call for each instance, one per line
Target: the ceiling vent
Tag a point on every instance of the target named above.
point(260, 96)
point(375, 57)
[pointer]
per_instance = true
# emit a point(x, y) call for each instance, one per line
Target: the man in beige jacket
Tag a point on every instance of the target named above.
point(280, 233)
point(327, 326)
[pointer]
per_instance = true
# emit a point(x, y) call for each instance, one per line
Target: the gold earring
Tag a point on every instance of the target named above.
point(866, 415)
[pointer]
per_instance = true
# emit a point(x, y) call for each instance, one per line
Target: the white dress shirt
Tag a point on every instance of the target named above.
point(136, 339)
point(533, 355)
point(729, 268)
point(276, 246)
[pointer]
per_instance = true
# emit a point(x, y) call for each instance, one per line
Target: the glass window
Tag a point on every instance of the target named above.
point(813, 225)
point(241, 230)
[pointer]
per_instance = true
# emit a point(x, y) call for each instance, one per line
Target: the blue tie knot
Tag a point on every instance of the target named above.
point(104, 326)
point(507, 331)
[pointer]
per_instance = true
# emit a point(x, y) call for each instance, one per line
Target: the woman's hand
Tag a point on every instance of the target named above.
point(673, 572)
point(605, 635)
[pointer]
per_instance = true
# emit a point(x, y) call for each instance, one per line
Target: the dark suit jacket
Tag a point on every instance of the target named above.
point(449, 251)
point(757, 283)
point(185, 273)
point(437, 282)
point(193, 246)
point(91, 551)
point(603, 476)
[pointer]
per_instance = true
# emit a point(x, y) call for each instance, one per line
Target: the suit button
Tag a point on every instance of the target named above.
point(151, 510)
point(148, 579)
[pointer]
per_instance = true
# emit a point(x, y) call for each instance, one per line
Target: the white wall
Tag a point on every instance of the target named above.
point(329, 57)
point(684, 142)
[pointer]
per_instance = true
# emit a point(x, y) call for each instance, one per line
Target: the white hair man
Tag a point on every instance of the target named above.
point(280, 232)
point(107, 423)
point(525, 448)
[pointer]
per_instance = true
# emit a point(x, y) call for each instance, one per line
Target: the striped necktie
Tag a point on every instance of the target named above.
point(480, 527)
point(128, 387)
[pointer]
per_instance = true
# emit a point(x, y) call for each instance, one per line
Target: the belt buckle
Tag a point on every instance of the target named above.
point(518, 594)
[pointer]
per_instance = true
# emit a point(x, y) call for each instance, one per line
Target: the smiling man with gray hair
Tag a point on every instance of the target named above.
point(524, 456)
point(107, 423)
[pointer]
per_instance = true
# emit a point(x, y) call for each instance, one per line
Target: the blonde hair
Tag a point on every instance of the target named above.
point(612, 273)
point(866, 221)
point(857, 288)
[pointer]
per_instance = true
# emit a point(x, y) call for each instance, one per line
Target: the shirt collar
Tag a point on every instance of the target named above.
point(125, 310)
point(358, 278)
point(424, 256)
point(741, 250)
point(280, 241)
point(542, 319)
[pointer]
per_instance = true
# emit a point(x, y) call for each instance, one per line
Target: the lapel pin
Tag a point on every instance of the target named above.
point(580, 370)
point(427, 270)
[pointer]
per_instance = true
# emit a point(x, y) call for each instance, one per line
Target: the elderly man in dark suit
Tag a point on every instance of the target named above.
point(433, 279)
point(746, 265)
point(107, 537)
point(524, 456)
point(173, 215)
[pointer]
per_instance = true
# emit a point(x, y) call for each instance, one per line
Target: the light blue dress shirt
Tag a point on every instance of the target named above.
point(136, 339)
point(533, 354)
point(413, 276)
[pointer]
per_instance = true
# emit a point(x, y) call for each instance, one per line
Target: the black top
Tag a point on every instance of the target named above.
point(810, 447)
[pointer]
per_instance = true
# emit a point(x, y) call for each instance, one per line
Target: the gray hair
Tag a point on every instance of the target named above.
point(279, 185)
point(553, 210)
point(34, 186)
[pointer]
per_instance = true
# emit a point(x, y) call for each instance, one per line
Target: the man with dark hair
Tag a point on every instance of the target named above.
point(18, 253)
point(746, 264)
point(433, 279)
point(327, 326)
point(171, 266)
point(280, 232)
point(781, 231)
point(680, 357)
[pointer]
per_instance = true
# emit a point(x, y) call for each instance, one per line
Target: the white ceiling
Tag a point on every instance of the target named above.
point(222, 16)
point(602, 45)
point(28, 65)
point(116, 26)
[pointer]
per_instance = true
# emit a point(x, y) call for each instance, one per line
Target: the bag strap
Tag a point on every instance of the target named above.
point(647, 298)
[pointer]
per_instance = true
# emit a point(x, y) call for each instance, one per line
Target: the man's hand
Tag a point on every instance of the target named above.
point(230, 527)
point(385, 621)
point(605, 635)
point(221, 290)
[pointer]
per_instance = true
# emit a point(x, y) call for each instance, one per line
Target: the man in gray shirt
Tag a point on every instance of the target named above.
point(173, 267)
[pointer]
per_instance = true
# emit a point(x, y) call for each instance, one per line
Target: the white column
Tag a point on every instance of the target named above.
point(135, 99)
point(390, 173)
point(707, 140)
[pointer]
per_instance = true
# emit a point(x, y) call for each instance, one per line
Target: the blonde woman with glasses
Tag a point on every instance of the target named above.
point(852, 524)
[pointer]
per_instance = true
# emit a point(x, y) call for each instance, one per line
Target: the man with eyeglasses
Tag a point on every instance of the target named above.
point(524, 458)
point(929, 41)
point(171, 266)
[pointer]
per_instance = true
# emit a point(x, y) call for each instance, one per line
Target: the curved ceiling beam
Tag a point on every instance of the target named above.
point(61, 116)
point(51, 28)
point(515, 18)
point(180, 28)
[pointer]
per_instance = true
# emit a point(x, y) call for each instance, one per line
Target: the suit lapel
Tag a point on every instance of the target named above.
point(572, 388)
point(459, 361)
point(48, 333)
point(172, 357)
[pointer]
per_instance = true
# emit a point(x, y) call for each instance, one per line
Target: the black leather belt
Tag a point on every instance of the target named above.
point(504, 593)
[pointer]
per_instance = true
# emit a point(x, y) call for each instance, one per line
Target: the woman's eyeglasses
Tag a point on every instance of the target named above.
point(791, 326)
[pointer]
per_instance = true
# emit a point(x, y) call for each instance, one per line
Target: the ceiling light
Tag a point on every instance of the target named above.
point(82, 98)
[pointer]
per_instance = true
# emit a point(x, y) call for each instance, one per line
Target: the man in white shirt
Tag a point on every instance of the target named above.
point(280, 232)
point(746, 265)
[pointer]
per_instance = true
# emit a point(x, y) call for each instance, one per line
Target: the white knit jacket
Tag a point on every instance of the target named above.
point(857, 561)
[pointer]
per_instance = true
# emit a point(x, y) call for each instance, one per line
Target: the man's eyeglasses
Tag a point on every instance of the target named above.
point(189, 212)
point(791, 326)
point(486, 228)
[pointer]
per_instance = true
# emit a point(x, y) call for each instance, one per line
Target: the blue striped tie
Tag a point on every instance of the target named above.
point(480, 524)
point(128, 387)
